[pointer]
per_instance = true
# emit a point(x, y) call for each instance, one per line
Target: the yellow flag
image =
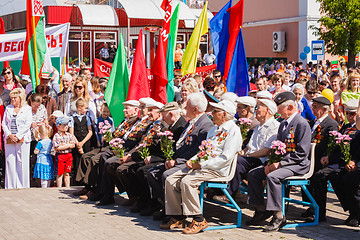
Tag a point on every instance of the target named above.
point(191, 51)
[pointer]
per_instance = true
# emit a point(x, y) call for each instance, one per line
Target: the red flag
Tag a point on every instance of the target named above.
point(139, 83)
point(235, 23)
point(102, 68)
point(159, 81)
point(166, 6)
point(2, 31)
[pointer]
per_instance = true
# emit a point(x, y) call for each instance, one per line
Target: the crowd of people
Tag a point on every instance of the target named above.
point(160, 154)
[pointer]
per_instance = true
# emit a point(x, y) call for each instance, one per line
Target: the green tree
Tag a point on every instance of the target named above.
point(340, 27)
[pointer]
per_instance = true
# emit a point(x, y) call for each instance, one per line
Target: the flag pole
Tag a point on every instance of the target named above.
point(37, 77)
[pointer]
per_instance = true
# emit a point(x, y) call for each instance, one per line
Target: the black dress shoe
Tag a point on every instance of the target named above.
point(259, 217)
point(138, 207)
point(308, 213)
point(96, 197)
point(130, 201)
point(106, 201)
point(160, 215)
point(353, 222)
point(150, 209)
point(275, 224)
point(322, 218)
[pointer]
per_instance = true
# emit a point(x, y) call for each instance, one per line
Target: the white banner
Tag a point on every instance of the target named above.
point(12, 44)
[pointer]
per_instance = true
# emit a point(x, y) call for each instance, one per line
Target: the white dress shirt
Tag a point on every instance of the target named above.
point(225, 150)
point(263, 136)
point(185, 133)
point(318, 122)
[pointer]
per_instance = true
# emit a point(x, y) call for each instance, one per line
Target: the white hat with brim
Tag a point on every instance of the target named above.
point(149, 102)
point(246, 100)
point(264, 95)
point(133, 103)
point(351, 105)
point(57, 114)
point(270, 104)
point(226, 106)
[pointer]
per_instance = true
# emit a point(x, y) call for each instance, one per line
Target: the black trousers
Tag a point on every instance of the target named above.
point(318, 187)
point(347, 188)
point(243, 166)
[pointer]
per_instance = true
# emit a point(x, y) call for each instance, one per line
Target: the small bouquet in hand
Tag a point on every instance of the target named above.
point(278, 149)
point(344, 142)
point(105, 130)
point(116, 145)
point(143, 150)
point(206, 149)
point(166, 144)
point(244, 124)
point(332, 141)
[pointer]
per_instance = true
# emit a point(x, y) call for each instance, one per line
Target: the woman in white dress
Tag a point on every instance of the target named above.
point(16, 125)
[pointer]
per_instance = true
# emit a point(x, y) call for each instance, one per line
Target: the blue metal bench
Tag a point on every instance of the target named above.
point(222, 183)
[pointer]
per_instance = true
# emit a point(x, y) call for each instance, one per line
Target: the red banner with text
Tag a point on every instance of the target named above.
point(102, 68)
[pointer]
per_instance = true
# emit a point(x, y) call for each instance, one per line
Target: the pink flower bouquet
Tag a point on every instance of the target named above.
point(206, 149)
point(166, 144)
point(278, 150)
point(143, 150)
point(116, 145)
point(244, 124)
point(105, 130)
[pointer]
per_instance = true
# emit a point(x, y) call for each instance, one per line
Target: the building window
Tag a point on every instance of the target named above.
point(105, 37)
point(79, 53)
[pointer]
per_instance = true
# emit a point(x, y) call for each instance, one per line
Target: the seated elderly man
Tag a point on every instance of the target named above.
point(245, 109)
point(186, 147)
point(258, 148)
point(345, 181)
point(295, 132)
point(181, 188)
point(112, 163)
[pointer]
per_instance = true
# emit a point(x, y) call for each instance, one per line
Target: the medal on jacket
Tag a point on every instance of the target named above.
point(189, 138)
point(221, 136)
point(289, 141)
point(350, 131)
point(318, 136)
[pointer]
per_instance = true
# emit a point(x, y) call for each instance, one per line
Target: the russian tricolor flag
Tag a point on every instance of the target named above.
point(226, 32)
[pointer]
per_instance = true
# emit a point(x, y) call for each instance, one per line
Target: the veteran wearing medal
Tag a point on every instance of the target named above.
point(321, 127)
point(296, 132)
point(187, 146)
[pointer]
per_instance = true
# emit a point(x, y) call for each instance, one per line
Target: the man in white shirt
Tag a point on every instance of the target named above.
point(258, 148)
point(209, 58)
point(181, 188)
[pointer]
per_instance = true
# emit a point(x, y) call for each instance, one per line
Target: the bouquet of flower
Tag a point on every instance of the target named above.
point(116, 145)
point(166, 144)
point(105, 130)
point(206, 149)
point(278, 149)
point(344, 142)
point(143, 150)
point(332, 142)
point(244, 124)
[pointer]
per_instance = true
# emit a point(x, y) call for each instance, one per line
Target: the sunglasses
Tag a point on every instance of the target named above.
point(217, 76)
point(350, 113)
point(7, 73)
point(78, 87)
point(311, 93)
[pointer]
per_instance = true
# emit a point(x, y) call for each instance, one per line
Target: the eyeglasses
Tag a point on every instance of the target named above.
point(311, 93)
point(78, 87)
point(7, 73)
point(350, 113)
point(217, 76)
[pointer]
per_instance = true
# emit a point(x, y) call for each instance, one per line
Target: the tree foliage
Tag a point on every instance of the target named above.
point(340, 27)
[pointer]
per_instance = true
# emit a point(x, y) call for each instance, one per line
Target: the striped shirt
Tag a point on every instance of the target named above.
point(61, 139)
point(13, 125)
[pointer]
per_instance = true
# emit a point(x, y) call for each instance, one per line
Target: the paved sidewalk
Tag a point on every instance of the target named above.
point(55, 214)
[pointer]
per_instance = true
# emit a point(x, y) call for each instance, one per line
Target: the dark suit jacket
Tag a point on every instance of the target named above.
point(190, 144)
point(297, 161)
point(155, 151)
point(327, 125)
